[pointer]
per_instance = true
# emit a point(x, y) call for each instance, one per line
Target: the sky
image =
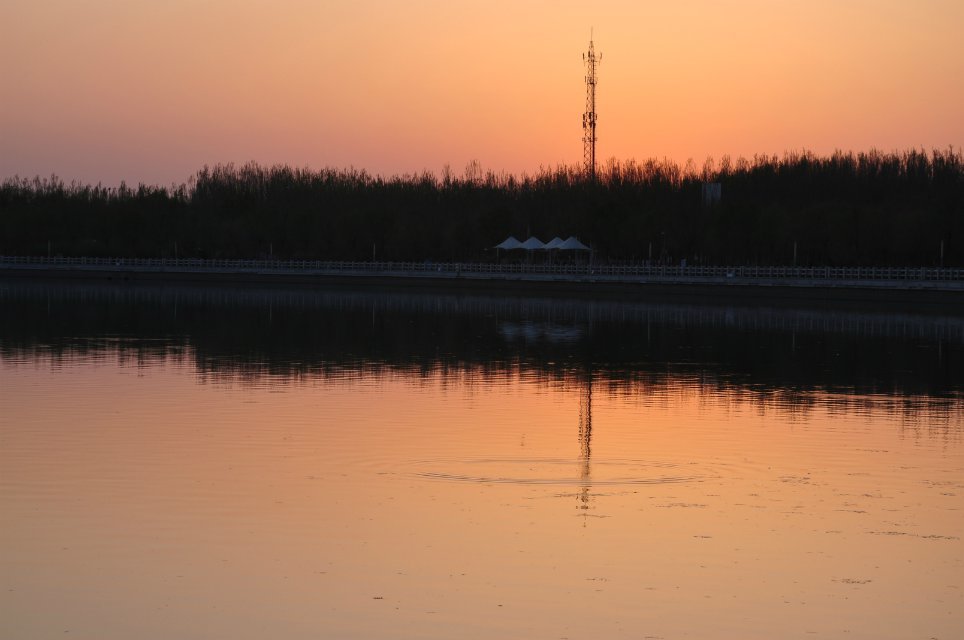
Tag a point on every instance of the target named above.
point(101, 91)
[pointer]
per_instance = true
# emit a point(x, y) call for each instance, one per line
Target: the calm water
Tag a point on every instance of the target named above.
point(234, 463)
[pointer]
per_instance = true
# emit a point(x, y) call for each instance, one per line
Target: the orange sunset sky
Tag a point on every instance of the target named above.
point(150, 91)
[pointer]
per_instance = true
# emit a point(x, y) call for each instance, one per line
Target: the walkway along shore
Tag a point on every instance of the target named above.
point(925, 284)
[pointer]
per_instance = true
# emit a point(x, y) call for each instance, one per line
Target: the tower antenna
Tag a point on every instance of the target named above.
point(589, 117)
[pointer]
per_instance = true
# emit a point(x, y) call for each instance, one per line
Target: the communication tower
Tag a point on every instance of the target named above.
point(589, 118)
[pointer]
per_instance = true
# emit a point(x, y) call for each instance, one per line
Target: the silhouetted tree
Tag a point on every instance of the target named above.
point(843, 209)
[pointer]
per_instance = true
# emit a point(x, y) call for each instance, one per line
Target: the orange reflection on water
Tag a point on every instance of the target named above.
point(156, 502)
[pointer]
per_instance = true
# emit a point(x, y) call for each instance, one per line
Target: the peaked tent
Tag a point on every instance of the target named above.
point(571, 244)
point(554, 243)
point(533, 243)
point(509, 243)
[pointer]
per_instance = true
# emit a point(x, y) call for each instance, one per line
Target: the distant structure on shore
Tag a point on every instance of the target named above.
point(589, 117)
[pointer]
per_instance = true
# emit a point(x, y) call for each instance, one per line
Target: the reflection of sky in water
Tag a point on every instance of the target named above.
point(227, 463)
point(438, 503)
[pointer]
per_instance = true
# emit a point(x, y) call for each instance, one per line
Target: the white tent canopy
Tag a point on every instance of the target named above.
point(509, 243)
point(571, 244)
point(534, 243)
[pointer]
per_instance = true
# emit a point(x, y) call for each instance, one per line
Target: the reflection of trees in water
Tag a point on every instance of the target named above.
point(774, 357)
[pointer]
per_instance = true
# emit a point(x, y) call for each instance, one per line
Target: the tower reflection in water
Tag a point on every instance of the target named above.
point(585, 445)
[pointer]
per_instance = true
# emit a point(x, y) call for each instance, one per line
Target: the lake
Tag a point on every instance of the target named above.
point(235, 462)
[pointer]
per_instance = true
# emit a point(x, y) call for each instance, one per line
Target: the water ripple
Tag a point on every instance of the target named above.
point(559, 471)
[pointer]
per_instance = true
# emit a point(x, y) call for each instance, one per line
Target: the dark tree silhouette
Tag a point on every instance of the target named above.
point(869, 208)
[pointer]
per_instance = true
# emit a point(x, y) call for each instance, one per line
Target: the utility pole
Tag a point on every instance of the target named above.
point(589, 117)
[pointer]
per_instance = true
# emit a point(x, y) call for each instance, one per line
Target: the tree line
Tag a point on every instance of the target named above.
point(868, 208)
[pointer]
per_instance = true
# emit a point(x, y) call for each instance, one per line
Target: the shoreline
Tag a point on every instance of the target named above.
point(937, 287)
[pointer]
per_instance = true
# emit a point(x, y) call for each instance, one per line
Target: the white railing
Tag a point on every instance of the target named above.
point(615, 271)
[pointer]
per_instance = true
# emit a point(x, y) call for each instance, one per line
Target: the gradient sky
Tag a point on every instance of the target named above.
point(111, 90)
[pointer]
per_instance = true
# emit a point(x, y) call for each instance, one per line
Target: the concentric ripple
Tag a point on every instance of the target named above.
point(559, 471)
